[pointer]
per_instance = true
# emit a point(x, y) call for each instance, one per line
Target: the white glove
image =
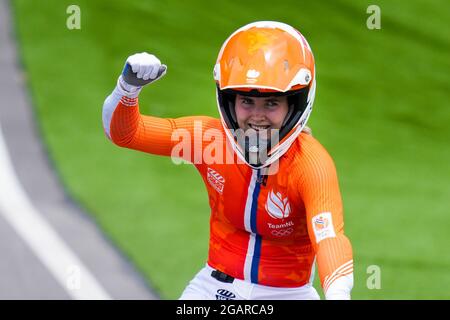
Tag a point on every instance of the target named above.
point(140, 69)
point(340, 289)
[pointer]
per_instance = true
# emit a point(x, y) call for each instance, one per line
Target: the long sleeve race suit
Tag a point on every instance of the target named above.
point(266, 229)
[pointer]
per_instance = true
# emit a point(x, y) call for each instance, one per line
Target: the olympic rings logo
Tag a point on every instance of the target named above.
point(282, 232)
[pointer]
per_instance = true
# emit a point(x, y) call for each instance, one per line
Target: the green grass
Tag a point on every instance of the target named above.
point(381, 110)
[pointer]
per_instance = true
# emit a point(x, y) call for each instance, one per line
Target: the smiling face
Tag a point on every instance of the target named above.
point(261, 113)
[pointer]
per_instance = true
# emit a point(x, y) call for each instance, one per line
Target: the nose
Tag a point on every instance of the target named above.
point(258, 113)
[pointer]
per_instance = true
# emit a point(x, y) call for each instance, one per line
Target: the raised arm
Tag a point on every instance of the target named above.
point(125, 126)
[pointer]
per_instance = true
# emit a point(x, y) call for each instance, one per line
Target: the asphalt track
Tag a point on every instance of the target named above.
point(49, 247)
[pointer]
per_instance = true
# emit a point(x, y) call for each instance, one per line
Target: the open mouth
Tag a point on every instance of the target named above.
point(258, 127)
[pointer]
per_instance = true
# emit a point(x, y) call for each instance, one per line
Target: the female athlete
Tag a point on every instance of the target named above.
point(276, 208)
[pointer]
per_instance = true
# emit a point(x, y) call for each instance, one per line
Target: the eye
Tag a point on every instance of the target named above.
point(272, 104)
point(246, 103)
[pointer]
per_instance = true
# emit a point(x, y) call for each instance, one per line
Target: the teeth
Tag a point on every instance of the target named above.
point(258, 127)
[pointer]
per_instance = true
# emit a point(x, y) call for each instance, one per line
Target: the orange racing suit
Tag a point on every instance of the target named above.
point(265, 229)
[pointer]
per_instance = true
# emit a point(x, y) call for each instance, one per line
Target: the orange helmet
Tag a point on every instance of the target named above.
point(266, 58)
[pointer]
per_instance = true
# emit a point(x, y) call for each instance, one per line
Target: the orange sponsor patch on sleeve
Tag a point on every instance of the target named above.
point(323, 226)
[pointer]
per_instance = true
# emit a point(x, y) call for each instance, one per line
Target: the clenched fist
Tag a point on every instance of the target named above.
point(140, 69)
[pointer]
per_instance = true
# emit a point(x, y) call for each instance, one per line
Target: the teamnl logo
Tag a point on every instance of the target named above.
point(211, 146)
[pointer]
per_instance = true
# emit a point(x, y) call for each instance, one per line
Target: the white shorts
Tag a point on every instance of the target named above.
point(206, 287)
